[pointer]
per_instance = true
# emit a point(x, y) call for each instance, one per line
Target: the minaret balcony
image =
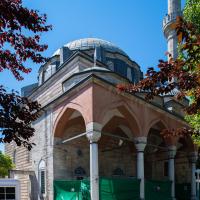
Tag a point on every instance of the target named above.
point(170, 18)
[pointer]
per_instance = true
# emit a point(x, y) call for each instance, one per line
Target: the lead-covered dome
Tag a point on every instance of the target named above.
point(91, 43)
point(109, 57)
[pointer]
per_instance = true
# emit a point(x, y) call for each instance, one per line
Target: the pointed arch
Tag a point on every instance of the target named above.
point(187, 143)
point(154, 122)
point(124, 111)
point(64, 117)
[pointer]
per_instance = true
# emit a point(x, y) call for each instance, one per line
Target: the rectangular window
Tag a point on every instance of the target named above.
point(7, 193)
point(133, 75)
point(120, 68)
point(166, 168)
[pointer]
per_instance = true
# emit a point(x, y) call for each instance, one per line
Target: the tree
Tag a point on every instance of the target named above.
point(5, 164)
point(19, 41)
point(185, 69)
point(192, 13)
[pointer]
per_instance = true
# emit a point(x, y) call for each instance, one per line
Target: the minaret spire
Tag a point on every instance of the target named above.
point(174, 10)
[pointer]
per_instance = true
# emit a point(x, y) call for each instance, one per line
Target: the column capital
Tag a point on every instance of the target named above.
point(193, 156)
point(172, 151)
point(140, 143)
point(93, 130)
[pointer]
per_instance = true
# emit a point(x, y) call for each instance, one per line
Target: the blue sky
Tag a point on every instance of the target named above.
point(133, 25)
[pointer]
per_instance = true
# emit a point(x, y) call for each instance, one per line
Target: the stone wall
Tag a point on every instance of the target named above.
point(22, 162)
point(67, 158)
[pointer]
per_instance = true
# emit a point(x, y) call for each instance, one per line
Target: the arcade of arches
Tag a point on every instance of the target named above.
point(119, 146)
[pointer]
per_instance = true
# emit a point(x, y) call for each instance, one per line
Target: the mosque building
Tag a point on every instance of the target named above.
point(94, 142)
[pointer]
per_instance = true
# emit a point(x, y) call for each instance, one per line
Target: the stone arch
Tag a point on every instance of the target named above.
point(187, 143)
point(185, 148)
point(154, 129)
point(121, 109)
point(120, 124)
point(69, 124)
point(116, 147)
point(155, 122)
point(42, 164)
point(64, 117)
point(155, 151)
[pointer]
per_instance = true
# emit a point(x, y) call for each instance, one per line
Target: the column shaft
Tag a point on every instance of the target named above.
point(93, 134)
point(94, 171)
point(140, 172)
point(140, 144)
point(171, 168)
point(172, 176)
point(193, 182)
point(193, 159)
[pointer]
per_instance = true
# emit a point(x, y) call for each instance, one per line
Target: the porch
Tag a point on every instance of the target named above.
point(137, 160)
point(121, 141)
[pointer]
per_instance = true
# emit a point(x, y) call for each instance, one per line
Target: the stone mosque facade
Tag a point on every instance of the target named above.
point(88, 129)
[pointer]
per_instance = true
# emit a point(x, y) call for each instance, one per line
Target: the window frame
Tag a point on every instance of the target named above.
point(42, 169)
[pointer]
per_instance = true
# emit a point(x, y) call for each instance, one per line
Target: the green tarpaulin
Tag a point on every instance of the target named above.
point(69, 190)
point(183, 191)
point(157, 190)
point(110, 189)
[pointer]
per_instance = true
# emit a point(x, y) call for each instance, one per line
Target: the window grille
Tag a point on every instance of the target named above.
point(42, 181)
point(7, 193)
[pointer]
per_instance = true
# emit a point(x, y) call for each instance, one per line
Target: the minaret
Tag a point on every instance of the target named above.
point(174, 10)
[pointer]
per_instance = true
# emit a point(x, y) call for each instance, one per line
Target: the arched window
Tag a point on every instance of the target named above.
point(42, 177)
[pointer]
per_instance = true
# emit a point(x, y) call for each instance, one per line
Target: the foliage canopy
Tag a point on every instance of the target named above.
point(5, 164)
point(192, 13)
point(185, 69)
point(20, 30)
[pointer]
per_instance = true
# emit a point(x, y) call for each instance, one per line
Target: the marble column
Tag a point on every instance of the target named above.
point(193, 159)
point(171, 169)
point(140, 144)
point(93, 134)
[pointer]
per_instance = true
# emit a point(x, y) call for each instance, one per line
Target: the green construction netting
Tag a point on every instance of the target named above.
point(69, 190)
point(110, 189)
point(183, 191)
point(157, 190)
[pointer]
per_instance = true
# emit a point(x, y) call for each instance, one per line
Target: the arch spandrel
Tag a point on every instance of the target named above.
point(81, 100)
